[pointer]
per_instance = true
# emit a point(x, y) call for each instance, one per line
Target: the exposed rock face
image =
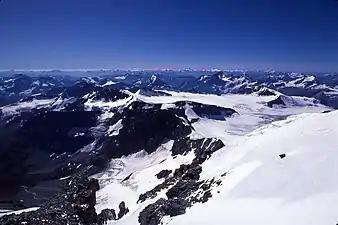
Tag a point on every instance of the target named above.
point(147, 126)
point(203, 149)
point(106, 215)
point(73, 206)
point(276, 101)
point(265, 92)
point(153, 213)
point(123, 210)
point(207, 111)
point(163, 174)
point(181, 196)
point(187, 189)
point(106, 94)
point(35, 147)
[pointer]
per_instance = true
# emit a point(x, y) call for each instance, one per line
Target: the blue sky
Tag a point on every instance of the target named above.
point(293, 35)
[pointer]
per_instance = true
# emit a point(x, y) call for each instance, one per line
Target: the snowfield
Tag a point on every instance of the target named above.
point(252, 109)
point(26, 106)
point(261, 187)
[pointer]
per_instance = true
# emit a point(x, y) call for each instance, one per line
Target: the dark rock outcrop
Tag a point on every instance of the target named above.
point(265, 92)
point(207, 111)
point(106, 215)
point(107, 94)
point(147, 126)
point(123, 210)
point(153, 213)
point(186, 188)
point(163, 174)
point(73, 206)
point(327, 111)
point(37, 147)
point(277, 101)
point(203, 149)
point(127, 178)
point(180, 197)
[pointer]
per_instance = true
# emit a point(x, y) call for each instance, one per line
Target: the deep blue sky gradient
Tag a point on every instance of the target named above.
point(293, 35)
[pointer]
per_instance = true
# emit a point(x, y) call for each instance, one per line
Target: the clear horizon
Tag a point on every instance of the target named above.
point(262, 35)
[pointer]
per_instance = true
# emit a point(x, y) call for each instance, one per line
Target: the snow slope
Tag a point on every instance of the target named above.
point(261, 188)
point(142, 169)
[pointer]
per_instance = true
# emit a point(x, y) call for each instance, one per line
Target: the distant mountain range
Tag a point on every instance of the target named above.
point(321, 86)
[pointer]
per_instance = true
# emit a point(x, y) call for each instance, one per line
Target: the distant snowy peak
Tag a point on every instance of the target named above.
point(89, 80)
point(108, 83)
point(266, 92)
point(303, 81)
point(23, 85)
point(153, 78)
point(157, 83)
point(16, 87)
point(149, 82)
point(222, 83)
point(16, 84)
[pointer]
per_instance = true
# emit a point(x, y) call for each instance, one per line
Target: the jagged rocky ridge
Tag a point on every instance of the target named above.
point(184, 187)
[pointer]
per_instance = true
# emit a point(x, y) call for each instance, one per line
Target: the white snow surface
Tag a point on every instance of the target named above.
point(260, 188)
point(107, 104)
point(22, 106)
point(108, 83)
point(115, 129)
point(120, 77)
point(143, 168)
point(252, 109)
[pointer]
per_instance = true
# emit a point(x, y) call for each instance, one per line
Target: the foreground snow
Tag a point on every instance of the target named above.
point(262, 188)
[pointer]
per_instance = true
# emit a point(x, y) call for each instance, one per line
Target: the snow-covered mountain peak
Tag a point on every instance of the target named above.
point(153, 78)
